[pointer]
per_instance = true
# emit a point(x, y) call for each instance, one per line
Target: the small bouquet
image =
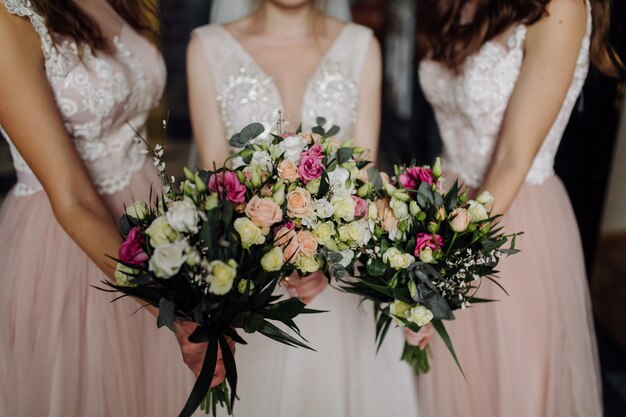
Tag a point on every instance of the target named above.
point(430, 250)
point(213, 249)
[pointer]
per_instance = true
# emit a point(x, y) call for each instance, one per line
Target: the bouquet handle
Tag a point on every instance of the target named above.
point(203, 383)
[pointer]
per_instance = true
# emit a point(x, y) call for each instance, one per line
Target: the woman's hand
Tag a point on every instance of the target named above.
point(307, 288)
point(421, 338)
point(194, 353)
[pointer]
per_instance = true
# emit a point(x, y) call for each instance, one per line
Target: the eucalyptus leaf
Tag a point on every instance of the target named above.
point(373, 174)
point(344, 155)
point(333, 131)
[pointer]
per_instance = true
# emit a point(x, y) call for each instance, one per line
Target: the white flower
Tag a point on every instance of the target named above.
point(261, 160)
point(400, 209)
point(420, 315)
point(485, 198)
point(324, 232)
point(183, 217)
point(249, 233)
point(273, 261)
point(398, 260)
point(347, 257)
point(357, 232)
point(340, 183)
point(221, 276)
point(399, 309)
point(138, 210)
point(168, 258)
point(160, 232)
point(123, 275)
point(237, 162)
point(323, 209)
point(343, 207)
point(477, 212)
point(292, 146)
point(426, 255)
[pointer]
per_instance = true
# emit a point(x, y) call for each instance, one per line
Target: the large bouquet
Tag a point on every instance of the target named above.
point(430, 250)
point(213, 249)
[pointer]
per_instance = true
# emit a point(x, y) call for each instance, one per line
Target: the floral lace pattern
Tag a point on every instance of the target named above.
point(102, 98)
point(246, 93)
point(470, 106)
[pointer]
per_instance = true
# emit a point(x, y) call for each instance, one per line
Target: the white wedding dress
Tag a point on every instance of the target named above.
point(345, 377)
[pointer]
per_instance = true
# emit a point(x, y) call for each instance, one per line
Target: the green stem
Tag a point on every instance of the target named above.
point(451, 244)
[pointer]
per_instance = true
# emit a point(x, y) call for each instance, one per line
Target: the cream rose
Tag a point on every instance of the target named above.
point(398, 260)
point(263, 212)
point(459, 220)
point(168, 258)
point(308, 265)
point(426, 255)
point(485, 198)
point(138, 210)
point(123, 275)
point(160, 232)
point(324, 232)
point(288, 170)
point(221, 276)
point(420, 315)
point(343, 208)
point(299, 203)
point(250, 234)
point(308, 243)
point(183, 217)
point(399, 309)
point(477, 212)
point(273, 260)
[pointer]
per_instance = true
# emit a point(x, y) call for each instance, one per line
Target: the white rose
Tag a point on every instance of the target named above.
point(485, 198)
point(262, 160)
point(183, 217)
point(343, 208)
point(357, 232)
point(420, 315)
point(400, 209)
point(221, 276)
point(347, 257)
point(138, 210)
point(273, 260)
point(250, 234)
point(168, 258)
point(323, 209)
point(339, 181)
point(426, 256)
point(237, 162)
point(160, 232)
point(292, 146)
point(324, 232)
point(399, 309)
point(398, 260)
point(477, 212)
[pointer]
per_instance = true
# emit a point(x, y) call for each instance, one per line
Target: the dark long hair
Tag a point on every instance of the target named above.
point(65, 18)
point(443, 38)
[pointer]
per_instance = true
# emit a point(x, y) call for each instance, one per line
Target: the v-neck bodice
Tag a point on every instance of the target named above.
point(247, 93)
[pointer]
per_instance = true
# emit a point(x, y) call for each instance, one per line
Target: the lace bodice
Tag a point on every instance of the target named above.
point(102, 98)
point(470, 106)
point(246, 93)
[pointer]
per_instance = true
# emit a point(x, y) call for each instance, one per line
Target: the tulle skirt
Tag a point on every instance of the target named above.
point(343, 378)
point(65, 350)
point(532, 354)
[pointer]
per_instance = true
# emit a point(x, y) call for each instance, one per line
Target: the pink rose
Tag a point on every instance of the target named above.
point(263, 212)
point(299, 203)
point(308, 243)
point(459, 220)
point(131, 252)
point(310, 167)
point(315, 152)
point(228, 182)
point(413, 176)
point(360, 207)
point(288, 170)
point(287, 240)
point(427, 240)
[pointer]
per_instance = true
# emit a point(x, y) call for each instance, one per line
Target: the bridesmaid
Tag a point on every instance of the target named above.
point(503, 78)
point(75, 76)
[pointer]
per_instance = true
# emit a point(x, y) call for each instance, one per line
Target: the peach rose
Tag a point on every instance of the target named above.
point(389, 220)
point(288, 170)
point(287, 239)
point(299, 203)
point(263, 212)
point(266, 191)
point(381, 205)
point(459, 220)
point(308, 243)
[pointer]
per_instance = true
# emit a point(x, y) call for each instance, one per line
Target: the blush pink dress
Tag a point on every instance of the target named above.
point(532, 354)
point(65, 350)
point(345, 377)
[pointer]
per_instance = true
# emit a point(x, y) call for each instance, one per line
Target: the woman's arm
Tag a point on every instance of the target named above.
point(367, 130)
point(552, 48)
point(30, 116)
point(208, 131)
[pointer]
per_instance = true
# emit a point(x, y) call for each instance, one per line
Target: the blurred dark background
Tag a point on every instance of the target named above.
point(591, 160)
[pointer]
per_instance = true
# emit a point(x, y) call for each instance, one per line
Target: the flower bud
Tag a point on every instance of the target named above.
point(255, 179)
point(414, 208)
point(211, 202)
point(188, 174)
point(243, 286)
point(200, 185)
point(437, 169)
point(313, 186)
point(364, 190)
point(433, 227)
point(421, 216)
point(279, 194)
point(463, 197)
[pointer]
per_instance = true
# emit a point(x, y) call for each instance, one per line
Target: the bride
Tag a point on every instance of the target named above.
point(287, 63)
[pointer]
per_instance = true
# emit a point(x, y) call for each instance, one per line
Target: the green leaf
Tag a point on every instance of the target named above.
point(333, 131)
point(318, 130)
point(376, 268)
point(227, 213)
point(373, 174)
point(126, 223)
point(321, 121)
point(273, 332)
point(344, 155)
point(324, 185)
point(299, 130)
point(248, 133)
point(443, 333)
